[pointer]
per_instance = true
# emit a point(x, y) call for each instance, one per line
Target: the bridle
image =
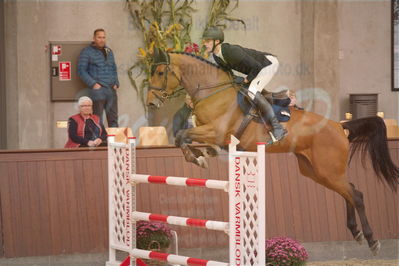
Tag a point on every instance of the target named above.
point(164, 93)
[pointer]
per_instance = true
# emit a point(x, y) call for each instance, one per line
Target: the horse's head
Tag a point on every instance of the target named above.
point(163, 80)
point(163, 83)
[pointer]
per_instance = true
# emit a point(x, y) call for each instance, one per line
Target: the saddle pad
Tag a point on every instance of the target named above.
point(282, 113)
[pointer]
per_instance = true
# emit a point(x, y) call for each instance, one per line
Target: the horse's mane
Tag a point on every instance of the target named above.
point(199, 58)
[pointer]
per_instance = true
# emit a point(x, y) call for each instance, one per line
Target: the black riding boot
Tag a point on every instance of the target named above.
point(267, 110)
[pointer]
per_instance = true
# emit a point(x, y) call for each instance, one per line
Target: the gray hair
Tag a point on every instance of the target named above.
point(84, 99)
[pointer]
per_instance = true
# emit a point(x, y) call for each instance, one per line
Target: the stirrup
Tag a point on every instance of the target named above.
point(274, 139)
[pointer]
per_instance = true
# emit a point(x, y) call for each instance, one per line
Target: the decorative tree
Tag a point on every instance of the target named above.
point(164, 24)
point(220, 12)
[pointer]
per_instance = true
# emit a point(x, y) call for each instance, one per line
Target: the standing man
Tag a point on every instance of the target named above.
point(97, 69)
point(183, 118)
point(259, 68)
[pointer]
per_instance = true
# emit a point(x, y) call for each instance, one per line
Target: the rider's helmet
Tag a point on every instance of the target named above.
point(213, 33)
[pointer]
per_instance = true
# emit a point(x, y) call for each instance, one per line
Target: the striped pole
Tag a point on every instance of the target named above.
point(181, 181)
point(182, 221)
point(174, 259)
point(126, 262)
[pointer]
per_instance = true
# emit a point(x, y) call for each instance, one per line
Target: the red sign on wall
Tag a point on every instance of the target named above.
point(64, 70)
point(56, 50)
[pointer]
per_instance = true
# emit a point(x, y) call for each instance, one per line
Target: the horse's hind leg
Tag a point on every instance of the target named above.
point(352, 196)
point(355, 201)
point(368, 233)
point(351, 221)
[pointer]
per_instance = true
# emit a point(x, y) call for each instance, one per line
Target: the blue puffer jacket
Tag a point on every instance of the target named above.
point(94, 68)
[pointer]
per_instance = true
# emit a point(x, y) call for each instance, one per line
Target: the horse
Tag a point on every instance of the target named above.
point(310, 136)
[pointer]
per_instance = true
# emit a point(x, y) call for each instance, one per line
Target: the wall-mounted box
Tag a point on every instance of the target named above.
point(65, 82)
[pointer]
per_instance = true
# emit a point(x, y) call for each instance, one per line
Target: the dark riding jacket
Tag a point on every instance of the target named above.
point(244, 60)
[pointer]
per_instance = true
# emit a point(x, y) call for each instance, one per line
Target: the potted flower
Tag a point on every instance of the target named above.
point(153, 235)
point(285, 251)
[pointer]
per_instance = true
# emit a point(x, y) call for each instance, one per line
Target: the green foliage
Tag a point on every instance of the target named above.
point(220, 12)
point(164, 24)
point(167, 24)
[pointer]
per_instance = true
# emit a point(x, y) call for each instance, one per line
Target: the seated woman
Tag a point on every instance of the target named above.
point(85, 128)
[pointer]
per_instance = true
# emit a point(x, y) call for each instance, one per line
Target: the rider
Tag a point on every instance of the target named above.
point(259, 67)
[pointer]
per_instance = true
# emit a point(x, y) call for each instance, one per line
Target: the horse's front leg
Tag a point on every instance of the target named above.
point(202, 134)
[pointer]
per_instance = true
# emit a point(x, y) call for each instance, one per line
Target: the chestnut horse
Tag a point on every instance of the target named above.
point(320, 145)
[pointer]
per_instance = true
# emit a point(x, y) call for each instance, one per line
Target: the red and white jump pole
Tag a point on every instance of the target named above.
point(181, 181)
point(246, 189)
point(182, 221)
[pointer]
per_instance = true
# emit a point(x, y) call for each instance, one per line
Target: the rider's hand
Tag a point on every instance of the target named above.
point(238, 80)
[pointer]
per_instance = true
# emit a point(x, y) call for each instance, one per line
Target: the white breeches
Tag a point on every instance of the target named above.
point(264, 76)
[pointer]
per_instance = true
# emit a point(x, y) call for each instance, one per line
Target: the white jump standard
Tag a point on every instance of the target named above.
point(246, 190)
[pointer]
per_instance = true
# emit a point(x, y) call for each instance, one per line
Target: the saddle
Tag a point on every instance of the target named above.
point(279, 101)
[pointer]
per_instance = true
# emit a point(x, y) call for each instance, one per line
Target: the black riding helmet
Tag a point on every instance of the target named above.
point(213, 33)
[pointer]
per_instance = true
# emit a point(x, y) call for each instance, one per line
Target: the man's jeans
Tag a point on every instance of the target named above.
point(105, 98)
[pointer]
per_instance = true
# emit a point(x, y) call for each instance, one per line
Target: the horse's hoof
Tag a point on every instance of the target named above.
point(359, 238)
point(201, 161)
point(375, 248)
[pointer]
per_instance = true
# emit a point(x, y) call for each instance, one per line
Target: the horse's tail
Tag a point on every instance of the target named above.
point(370, 135)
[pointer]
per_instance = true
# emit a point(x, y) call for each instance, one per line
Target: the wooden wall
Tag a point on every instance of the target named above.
point(3, 96)
point(55, 201)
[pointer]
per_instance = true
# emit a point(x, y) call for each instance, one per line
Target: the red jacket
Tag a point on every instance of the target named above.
point(80, 121)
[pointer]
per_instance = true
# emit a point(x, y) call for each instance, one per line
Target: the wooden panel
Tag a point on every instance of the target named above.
point(44, 199)
point(2, 168)
point(7, 206)
point(55, 202)
point(82, 204)
point(3, 95)
point(3, 91)
point(49, 212)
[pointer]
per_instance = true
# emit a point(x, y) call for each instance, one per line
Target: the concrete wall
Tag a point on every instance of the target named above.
point(365, 53)
point(11, 75)
point(3, 114)
point(32, 24)
point(320, 44)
